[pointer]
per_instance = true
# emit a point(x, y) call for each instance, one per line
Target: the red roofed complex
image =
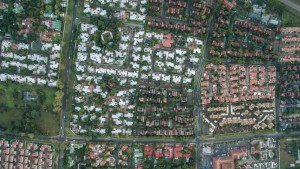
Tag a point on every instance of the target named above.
point(228, 162)
point(167, 42)
point(177, 152)
point(229, 3)
point(148, 150)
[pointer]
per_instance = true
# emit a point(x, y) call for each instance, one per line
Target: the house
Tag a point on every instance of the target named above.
point(29, 96)
point(148, 150)
point(229, 3)
point(3, 5)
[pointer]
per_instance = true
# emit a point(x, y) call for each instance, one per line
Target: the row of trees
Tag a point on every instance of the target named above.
point(112, 25)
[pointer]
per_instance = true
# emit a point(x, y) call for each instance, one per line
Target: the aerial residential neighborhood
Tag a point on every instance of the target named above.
point(256, 153)
point(25, 154)
point(238, 95)
point(149, 84)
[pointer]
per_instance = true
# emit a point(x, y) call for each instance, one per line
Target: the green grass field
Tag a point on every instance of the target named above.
point(296, 2)
point(14, 109)
point(227, 135)
point(290, 16)
point(285, 158)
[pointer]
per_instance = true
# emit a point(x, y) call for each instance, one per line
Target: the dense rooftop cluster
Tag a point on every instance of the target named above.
point(240, 38)
point(238, 95)
point(106, 155)
point(21, 64)
point(257, 153)
point(112, 86)
point(28, 19)
point(25, 155)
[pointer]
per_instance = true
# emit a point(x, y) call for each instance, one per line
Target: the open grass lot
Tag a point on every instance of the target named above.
point(34, 115)
point(288, 152)
point(296, 2)
point(228, 135)
point(66, 46)
point(290, 16)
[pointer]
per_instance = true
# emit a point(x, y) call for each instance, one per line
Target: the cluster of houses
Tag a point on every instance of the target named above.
point(122, 122)
point(25, 155)
point(246, 117)
point(256, 154)
point(20, 64)
point(124, 155)
point(267, 154)
point(139, 57)
point(169, 61)
point(262, 165)
point(202, 11)
point(290, 44)
point(101, 155)
point(50, 20)
point(33, 63)
point(132, 10)
point(290, 93)
point(161, 152)
point(259, 14)
point(236, 90)
point(265, 148)
point(108, 155)
point(154, 7)
point(161, 24)
point(290, 96)
point(179, 10)
point(228, 161)
point(237, 83)
point(96, 155)
point(176, 8)
point(248, 38)
point(160, 111)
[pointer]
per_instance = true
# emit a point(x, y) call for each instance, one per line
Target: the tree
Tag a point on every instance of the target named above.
point(57, 103)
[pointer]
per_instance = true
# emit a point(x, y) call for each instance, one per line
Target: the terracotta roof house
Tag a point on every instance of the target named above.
point(228, 162)
point(148, 150)
point(229, 3)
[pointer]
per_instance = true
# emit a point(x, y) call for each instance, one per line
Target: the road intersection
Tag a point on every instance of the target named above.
point(61, 138)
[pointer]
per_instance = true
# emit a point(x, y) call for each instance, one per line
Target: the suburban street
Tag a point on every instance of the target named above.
point(66, 95)
point(68, 67)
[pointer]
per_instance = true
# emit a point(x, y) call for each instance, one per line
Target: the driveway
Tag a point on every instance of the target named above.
point(291, 4)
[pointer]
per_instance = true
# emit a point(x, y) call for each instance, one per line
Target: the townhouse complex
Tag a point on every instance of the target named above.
point(26, 155)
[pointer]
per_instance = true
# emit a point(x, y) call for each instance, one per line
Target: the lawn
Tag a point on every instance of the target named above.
point(285, 158)
point(296, 2)
point(290, 16)
point(29, 116)
point(227, 135)
point(67, 36)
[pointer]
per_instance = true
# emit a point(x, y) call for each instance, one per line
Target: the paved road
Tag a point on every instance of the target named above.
point(295, 134)
point(61, 138)
point(291, 4)
point(68, 68)
point(197, 96)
